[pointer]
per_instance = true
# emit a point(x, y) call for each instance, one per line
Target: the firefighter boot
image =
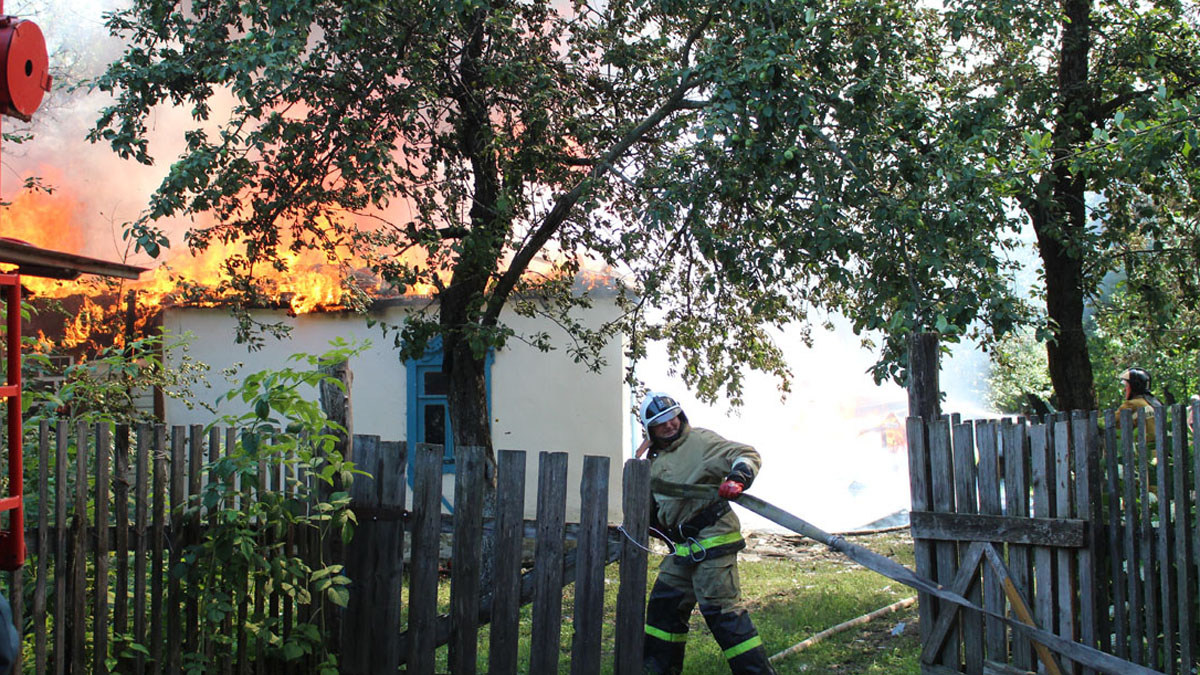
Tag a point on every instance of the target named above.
point(667, 612)
point(739, 640)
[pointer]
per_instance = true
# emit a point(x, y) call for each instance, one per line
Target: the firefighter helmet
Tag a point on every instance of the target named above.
point(657, 408)
point(1138, 379)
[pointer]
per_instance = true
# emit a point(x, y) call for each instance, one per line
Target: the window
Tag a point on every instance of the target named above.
point(428, 410)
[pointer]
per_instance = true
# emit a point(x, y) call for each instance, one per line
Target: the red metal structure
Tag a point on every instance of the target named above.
point(24, 80)
point(12, 538)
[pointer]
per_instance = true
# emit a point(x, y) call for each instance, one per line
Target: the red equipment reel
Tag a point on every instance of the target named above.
point(24, 80)
point(24, 67)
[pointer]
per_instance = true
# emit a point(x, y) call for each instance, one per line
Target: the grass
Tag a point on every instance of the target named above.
point(790, 599)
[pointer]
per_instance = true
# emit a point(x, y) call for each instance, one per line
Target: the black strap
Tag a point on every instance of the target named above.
point(707, 516)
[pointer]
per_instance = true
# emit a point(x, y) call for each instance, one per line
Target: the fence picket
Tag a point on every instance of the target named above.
point(1016, 503)
point(464, 576)
point(174, 593)
point(141, 520)
point(966, 500)
point(1117, 582)
point(989, 504)
point(919, 494)
point(190, 533)
point(1064, 558)
point(43, 553)
point(589, 573)
point(1042, 485)
point(942, 465)
point(631, 593)
point(101, 499)
point(61, 461)
point(1146, 549)
point(423, 581)
point(1087, 507)
point(120, 489)
point(79, 554)
point(1183, 552)
point(548, 574)
point(1162, 533)
point(506, 586)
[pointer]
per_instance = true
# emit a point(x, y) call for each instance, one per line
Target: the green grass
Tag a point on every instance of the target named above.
point(790, 600)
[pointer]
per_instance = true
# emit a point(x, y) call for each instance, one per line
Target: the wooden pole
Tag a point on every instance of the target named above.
point(924, 392)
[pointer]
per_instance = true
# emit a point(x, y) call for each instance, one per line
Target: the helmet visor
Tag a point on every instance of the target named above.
point(661, 409)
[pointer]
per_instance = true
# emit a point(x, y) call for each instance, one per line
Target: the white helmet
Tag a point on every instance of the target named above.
point(657, 408)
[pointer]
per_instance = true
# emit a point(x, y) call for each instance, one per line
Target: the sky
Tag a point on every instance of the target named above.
point(825, 448)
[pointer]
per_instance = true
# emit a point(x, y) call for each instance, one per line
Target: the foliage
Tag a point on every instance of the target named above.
point(1088, 108)
point(1018, 370)
point(740, 163)
point(107, 388)
point(247, 546)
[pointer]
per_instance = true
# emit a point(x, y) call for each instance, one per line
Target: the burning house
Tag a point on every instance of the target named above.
point(538, 401)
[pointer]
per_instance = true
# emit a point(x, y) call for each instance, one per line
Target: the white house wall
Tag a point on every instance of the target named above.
point(540, 401)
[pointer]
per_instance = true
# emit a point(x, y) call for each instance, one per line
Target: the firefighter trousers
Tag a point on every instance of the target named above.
point(714, 585)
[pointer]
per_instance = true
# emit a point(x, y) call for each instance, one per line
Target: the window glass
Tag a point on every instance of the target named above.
point(435, 424)
point(435, 383)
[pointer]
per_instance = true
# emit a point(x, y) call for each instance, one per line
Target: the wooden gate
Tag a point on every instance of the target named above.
point(1070, 523)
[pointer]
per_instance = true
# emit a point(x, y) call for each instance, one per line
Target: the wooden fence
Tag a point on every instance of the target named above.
point(1079, 523)
point(109, 521)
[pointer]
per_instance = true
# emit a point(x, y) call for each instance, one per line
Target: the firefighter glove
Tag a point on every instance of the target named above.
point(730, 489)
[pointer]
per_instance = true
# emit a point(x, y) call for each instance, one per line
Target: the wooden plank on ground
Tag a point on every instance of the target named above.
point(547, 563)
point(1042, 484)
point(588, 620)
point(631, 593)
point(1016, 504)
point(990, 504)
point(423, 580)
point(966, 502)
point(467, 545)
point(919, 493)
point(506, 587)
point(1184, 554)
point(941, 466)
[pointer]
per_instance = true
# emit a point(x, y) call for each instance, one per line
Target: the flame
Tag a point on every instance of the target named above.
point(311, 282)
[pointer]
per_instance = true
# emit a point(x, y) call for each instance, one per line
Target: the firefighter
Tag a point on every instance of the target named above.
point(1137, 395)
point(705, 537)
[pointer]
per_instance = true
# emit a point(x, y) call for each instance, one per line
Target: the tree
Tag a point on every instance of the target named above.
point(1091, 106)
point(742, 161)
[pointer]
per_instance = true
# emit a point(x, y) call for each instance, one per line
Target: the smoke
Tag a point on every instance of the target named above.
point(100, 190)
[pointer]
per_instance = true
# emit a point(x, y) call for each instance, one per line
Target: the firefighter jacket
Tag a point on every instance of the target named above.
point(1147, 401)
point(701, 528)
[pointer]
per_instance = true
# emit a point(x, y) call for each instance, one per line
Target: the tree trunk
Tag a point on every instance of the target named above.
point(1061, 222)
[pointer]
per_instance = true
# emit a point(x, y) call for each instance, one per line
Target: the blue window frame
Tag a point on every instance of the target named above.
point(428, 408)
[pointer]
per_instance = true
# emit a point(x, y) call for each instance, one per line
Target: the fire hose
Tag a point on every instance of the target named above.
point(1080, 653)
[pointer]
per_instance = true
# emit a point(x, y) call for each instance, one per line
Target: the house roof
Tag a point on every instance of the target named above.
point(43, 262)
